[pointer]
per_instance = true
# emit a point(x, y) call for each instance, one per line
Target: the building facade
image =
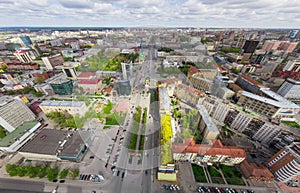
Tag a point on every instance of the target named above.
point(285, 164)
point(290, 89)
point(72, 107)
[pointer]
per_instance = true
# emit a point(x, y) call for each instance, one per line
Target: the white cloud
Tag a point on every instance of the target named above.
point(213, 13)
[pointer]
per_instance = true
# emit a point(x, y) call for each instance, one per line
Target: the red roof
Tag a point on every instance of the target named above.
point(193, 70)
point(258, 171)
point(108, 90)
point(86, 74)
point(20, 52)
point(251, 80)
point(92, 81)
point(203, 149)
point(190, 89)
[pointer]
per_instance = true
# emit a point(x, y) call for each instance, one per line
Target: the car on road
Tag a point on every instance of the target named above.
point(92, 157)
point(123, 174)
point(118, 173)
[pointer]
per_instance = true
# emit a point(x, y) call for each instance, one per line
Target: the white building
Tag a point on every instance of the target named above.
point(72, 107)
point(267, 133)
point(290, 89)
point(23, 56)
point(13, 113)
point(241, 121)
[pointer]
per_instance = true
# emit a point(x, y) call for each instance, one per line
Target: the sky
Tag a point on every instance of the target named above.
point(151, 13)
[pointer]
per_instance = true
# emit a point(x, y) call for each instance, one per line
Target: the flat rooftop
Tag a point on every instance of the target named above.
point(56, 142)
point(63, 103)
point(278, 102)
point(206, 118)
point(17, 133)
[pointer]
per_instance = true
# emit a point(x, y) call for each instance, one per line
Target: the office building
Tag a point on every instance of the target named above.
point(13, 113)
point(72, 107)
point(69, 69)
point(52, 61)
point(23, 56)
point(272, 106)
point(26, 41)
point(208, 153)
point(56, 145)
point(285, 164)
point(290, 89)
point(61, 85)
point(13, 141)
point(250, 46)
point(17, 66)
point(124, 88)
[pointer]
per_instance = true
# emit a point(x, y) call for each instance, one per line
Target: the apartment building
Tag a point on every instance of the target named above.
point(52, 61)
point(267, 133)
point(205, 153)
point(285, 164)
point(72, 107)
point(13, 113)
point(290, 89)
point(207, 127)
point(23, 56)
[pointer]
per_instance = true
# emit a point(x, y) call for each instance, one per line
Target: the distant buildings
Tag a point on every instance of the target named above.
point(71, 107)
point(250, 46)
point(52, 61)
point(290, 89)
point(61, 85)
point(286, 46)
point(205, 153)
point(23, 56)
point(13, 113)
point(17, 66)
point(285, 164)
point(26, 41)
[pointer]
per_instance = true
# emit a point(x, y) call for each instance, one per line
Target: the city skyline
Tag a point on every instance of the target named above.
point(133, 13)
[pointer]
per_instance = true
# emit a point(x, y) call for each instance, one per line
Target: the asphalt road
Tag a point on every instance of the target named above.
point(15, 185)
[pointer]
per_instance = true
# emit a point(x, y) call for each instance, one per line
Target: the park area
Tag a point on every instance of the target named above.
point(230, 173)
point(199, 173)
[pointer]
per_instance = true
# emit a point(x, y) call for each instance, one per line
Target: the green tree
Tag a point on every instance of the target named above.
point(52, 173)
point(74, 173)
point(63, 174)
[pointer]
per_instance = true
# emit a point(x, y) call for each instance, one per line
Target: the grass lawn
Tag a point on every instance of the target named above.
point(232, 175)
point(217, 180)
point(213, 172)
point(291, 124)
point(199, 173)
point(94, 63)
point(235, 181)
